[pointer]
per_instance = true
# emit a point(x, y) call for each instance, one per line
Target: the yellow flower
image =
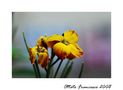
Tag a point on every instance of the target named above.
point(32, 54)
point(65, 46)
point(43, 57)
point(42, 41)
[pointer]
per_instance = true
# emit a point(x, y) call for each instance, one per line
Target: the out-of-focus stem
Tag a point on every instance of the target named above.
point(38, 70)
point(81, 70)
point(36, 75)
point(64, 70)
point(58, 68)
point(55, 62)
point(25, 42)
point(27, 47)
point(49, 65)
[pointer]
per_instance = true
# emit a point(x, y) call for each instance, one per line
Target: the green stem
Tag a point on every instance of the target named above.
point(55, 62)
point(68, 70)
point(36, 75)
point(52, 54)
point(38, 70)
point(64, 70)
point(81, 70)
point(58, 69)
point(45, 69)
point(48, 70)
point(34, 67)
point(25, 42)
point(49, 65)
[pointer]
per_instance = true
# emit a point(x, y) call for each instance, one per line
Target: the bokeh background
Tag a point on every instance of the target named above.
point(93, 28)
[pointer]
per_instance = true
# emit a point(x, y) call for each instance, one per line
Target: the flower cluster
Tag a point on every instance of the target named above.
point(64, 46)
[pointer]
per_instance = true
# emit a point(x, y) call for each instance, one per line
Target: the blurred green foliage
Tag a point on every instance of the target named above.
point(21, 67)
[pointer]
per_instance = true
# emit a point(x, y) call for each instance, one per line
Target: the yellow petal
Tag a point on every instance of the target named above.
point(54, 39)
point(71, 56)
point(42, 41)
point(61, 50)
point(65, 50)
point(32, 54)
point(42, 49)
point(77, 46)
point(43, 59)
point(76, 51)
point(71, 36)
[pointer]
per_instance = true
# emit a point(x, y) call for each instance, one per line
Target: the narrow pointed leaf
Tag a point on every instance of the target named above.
point(81, 70)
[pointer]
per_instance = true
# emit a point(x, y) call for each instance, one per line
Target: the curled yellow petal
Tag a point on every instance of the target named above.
point(51, 40)
point(71, 36)
point(42, 41)
point(61, 50)
point(43, 58)
point(75, 52)
point(80, 49)
point(32, 54)
point(71, 56)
